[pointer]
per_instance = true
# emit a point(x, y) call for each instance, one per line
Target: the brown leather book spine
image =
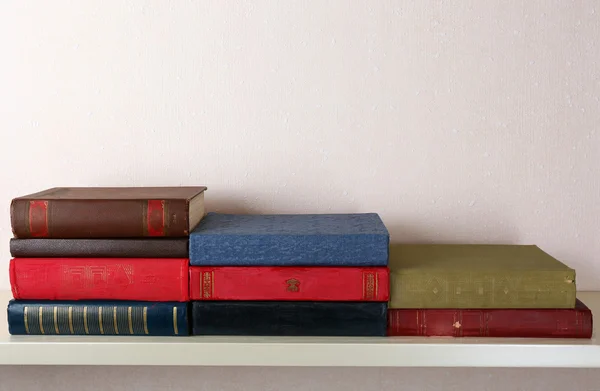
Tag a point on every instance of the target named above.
point(69, 218)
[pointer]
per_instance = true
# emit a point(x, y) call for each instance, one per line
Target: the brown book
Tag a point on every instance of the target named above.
point(108, 212)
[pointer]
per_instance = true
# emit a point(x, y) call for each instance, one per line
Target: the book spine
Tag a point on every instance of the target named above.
point(294, 250)
point(289, 283)
point(463, 290)
point(97, 318)
point(534, 323)
point(98, 218)
point(143, 279)
point(280, 318)
point(99, 248)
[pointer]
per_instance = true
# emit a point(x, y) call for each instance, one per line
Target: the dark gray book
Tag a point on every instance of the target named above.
point(100, 248)
point(294, 318)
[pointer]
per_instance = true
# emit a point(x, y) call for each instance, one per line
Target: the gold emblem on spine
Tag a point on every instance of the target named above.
point(25, 319)
point(115, 320)
point(145, 316)
point(56, 320)
point(41, 321)
point(100, 320)
point(71, 320)
point(85, 324)
point(293, 285)
point(175, 321)
point(129, 320)
point(208, 289)
point(369, 282)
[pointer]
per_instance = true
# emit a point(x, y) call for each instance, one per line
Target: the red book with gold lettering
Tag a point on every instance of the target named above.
point(514, 322)
point(141, 279)
point(108, 212)
point(289, 283)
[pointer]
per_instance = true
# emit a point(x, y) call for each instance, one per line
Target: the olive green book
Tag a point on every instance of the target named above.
point(478, 276)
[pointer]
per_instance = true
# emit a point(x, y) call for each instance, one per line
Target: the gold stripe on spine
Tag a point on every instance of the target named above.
point(25, 319)
point(40, 319)
point(100, 320)
point(175, 321)
point(115, 320)
point(56, 320)
point(71, 320)
point(376, 286)
point(85, 325)
point(145, 320)
point(129, 320)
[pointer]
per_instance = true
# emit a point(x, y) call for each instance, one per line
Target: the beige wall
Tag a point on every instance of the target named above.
point(470, 121)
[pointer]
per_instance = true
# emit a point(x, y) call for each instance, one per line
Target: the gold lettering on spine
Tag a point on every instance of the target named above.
point(100, 320)
point(129, 320)
point(71, 320)
point(175, 321)
point(41, 322)
point(56, 320)
point(115, 320)
point(25, 319)
point(85, 325)
point(145, 320)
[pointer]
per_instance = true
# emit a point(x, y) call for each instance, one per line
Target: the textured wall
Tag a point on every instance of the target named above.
point(470, 121)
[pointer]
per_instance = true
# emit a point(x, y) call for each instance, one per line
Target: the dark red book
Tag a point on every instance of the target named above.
point(518, 323)
point(140, 279)
point(289, 283)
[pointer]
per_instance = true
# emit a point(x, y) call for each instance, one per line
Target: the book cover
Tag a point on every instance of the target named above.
point(108, 212)
point(272, 283)
point(100, 248)
point(518, 323)
point(478, 276)
point(26, 317)
point(290, 240)
point(143, 279)
point(288, 318)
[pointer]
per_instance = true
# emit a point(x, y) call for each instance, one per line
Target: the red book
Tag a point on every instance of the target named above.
point(141, 279)
point(289, 283)
point(518, 323)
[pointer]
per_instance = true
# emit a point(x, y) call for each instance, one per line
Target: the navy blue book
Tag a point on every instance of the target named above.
point(27, 317)
point(285, 240)
point(289, 318)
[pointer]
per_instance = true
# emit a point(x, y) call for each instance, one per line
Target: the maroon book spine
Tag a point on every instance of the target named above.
point(518, 323)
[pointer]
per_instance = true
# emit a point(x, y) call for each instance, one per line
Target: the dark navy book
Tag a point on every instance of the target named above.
point(284, 318)
point(280, 240)
point(28, 317)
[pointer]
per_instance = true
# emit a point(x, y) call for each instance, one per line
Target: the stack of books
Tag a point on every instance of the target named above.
point(151, 261)
point(483, 290)
point(292, 275)
point(102, 261)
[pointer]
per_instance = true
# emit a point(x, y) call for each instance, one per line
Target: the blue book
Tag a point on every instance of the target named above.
point(41, 317)
point(289, 318)
point(284, 240)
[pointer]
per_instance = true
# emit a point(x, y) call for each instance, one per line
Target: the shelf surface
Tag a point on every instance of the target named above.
point(302, 351)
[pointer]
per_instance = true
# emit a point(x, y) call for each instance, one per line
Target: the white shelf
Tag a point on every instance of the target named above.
point(302, 351)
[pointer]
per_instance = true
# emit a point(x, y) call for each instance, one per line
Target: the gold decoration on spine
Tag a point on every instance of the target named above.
point(25, 319)
point(115, 320)
point(41, 321)
point(56, 320)
point(85, 323)
point(129, 320)
point(71, 320)
point(175, 321)
point(100, 320)
point(145, 320)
